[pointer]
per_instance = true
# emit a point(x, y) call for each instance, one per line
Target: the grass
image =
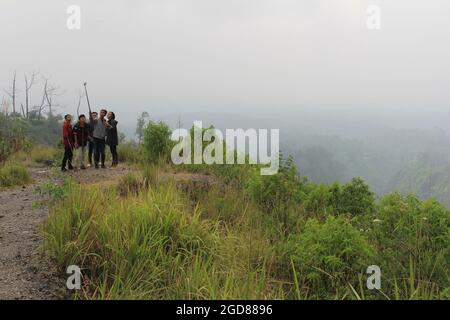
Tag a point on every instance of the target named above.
point(42, 154)
point(13, 174)
point(130, 153)
point(154, 245)
point(148, 238)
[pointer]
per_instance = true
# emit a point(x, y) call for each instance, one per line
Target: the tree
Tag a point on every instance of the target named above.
point(12, 93)
point(28, 85)
point(157, 143)
point(47, 100)
point(140, 128)
point(50, 92)
point(353, 197)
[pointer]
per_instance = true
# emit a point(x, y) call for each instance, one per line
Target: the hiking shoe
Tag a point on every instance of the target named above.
point(83, 168)
point(63, 169)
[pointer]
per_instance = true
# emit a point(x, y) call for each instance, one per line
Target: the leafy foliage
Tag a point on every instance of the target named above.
point(410, 233)
point(353, 197)
point(277, 191)
point(12, 136)
point(328, 256)
point(157, 143)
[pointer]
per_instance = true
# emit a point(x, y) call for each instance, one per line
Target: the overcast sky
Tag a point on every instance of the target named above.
point(276, 57)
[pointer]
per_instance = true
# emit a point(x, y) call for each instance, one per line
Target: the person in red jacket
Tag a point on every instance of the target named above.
point(68, 141)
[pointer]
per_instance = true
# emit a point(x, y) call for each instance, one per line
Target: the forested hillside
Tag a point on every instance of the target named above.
point(414, 161)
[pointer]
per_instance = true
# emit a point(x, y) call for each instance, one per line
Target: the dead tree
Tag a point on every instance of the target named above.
point(47, 100)
point(50, 93)
point(40, 108)
point(12, 93)
point(24, 115)
point(28, 85)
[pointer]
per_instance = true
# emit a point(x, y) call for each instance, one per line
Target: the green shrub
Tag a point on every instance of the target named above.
point(13, 136)
point(157, 143)
point(328, 256)
point(353, 197)
point(12, 174)
point(277, 191)
point(413, 243)
point(318, 199)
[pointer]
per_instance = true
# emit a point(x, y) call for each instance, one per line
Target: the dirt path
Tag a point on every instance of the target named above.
point(24, 272)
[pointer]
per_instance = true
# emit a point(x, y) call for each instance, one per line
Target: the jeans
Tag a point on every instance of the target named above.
point(68, 155)
point(91, 151)
point(80, 155)
point(115, 157)
point(99, 151)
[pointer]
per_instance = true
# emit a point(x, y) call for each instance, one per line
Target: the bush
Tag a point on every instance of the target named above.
point(157, 143)
point(412, 239)
point(12, 136)
point(328, 256)
point(277, 191)
point(318, 199)
point(353, 197)
point(13, 175)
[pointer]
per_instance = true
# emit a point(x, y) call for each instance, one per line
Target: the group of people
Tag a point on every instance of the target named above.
point(91, 138)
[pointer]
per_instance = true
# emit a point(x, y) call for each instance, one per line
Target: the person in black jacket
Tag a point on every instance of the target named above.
point(81, 136)
point(112, 139)
point(94, 116)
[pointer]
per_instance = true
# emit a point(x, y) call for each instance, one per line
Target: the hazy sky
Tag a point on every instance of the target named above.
point(273, 57)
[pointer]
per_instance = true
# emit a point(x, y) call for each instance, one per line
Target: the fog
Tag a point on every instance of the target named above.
point(312, 64)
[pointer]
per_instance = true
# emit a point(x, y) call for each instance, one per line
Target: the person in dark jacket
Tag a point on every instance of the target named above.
point(94, 116)
point(68, 141)
point(112, 139)
point(81, 136)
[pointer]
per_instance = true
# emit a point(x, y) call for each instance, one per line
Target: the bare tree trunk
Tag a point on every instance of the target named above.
point(14, 94)
point(28, 86)
point(26, 96)
point(23, 110)
point(41, 107)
